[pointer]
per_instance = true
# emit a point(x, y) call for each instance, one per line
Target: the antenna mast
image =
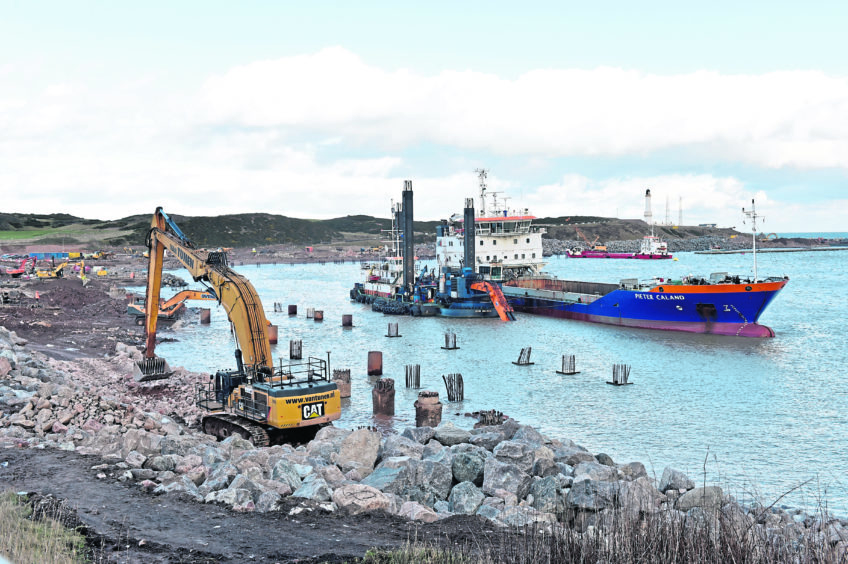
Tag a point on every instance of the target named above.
point(482, 173)
point(752, 215)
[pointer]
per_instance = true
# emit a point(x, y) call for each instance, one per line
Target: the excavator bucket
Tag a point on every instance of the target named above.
point(151, 369)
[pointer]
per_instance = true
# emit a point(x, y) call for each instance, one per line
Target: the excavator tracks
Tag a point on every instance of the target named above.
point(223, 425)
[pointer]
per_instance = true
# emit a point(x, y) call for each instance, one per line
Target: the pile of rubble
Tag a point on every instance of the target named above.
point(508, 473)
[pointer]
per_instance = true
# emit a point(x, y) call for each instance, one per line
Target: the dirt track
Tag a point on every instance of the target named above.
point(129, 525)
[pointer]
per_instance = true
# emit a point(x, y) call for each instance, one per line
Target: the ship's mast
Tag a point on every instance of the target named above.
point(752, 215)
point(482, 173)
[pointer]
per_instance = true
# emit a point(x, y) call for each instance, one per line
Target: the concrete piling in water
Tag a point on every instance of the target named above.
point(450, 341)
point(569, 366)
point(383, 397)
point(318, 315)
point(272, 334)
point(488, 418)
point(620, 375)
point(347, 320)
point(413, 375)
point(205, 316)
point(310, 312)
point(428, 409)
point(393, 330)
point(455, 387)
point(524, 357)
point(292, 309)
point(341, 378)
point(295, 350)
point(375, 363)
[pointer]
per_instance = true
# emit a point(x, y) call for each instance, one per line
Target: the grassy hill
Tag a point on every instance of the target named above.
point(239, 230)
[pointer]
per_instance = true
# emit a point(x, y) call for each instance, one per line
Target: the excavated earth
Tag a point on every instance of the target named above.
point(77, 328)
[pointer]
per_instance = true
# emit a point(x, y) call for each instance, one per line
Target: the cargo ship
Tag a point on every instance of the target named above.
point(720, 304)
point(392, 285)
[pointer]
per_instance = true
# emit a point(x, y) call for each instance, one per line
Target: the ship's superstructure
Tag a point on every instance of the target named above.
point(506, 243)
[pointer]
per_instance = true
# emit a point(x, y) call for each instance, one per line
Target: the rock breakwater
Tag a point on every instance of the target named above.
point(510, 473)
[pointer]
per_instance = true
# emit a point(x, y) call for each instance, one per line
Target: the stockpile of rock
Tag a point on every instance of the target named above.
point(508, 473)
point(560, 246)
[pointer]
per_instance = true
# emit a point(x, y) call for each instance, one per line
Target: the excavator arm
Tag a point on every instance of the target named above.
point(234, 292)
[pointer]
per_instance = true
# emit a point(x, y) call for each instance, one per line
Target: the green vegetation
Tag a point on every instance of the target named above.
point(26, 538)
point(240, 230)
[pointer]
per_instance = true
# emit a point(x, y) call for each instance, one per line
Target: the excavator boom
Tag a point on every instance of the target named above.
point(234, 292)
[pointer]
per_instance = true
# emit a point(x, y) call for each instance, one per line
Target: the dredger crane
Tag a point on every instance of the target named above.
point(256, 400)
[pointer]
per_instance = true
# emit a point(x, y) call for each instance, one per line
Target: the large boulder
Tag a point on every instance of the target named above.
point(332, 475)
point(242, 482)
point(315, 488)
point(592, 495)
point(499, 475)
point(419, 434)
point(392, 477)
point(632, 470)
point(231, 497)
point(220, 477)
point(268, 501)
point(573, 455)
point(544, 467)
point(435, 476)
point(675, 480)
point(488, 440)
point(414, 511)
point(520, 516)
point(640, 496)
point(468, 467)
point(709, 498)
point(285, 472)
point(529, 435)
point(397, 445)
point(183, 486)
point(465, 498)
point(516, 453)
point(359, 452)
point(449, 434)
point(544, 492)
point(358, 498)
point(595, 471)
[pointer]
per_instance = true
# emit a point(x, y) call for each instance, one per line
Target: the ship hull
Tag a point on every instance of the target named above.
point(731, 309)
point(640, 256)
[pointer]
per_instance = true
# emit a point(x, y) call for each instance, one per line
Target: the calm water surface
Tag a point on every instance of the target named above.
point(756, 416)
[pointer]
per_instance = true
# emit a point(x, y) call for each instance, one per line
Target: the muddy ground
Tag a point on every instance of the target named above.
point(125, 524)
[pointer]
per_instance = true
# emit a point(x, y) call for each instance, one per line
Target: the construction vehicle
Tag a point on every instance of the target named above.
point(170, 308)
point(55, 272)
point(23, 268)
point(257, 400)
point(593, 245)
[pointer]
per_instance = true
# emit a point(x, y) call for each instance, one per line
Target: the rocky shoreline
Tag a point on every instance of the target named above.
point(509, 474)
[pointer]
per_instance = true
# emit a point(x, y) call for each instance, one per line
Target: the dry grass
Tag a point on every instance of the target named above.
point(27, 538)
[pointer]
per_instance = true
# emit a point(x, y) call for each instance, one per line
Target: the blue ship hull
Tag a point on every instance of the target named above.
point(732, 309)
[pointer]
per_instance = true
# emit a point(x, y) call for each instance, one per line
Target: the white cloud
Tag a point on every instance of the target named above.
point(326, 134)
point(789, 118)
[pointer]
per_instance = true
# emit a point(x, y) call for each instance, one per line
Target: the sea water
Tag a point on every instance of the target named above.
point(757, 416)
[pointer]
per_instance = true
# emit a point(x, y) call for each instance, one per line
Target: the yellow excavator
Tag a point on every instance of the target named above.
point(170, 308)
point(259, 401)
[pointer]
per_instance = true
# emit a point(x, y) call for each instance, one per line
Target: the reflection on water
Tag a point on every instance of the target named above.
point(765, 414)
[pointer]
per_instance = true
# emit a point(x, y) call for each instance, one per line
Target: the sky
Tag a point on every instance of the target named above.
point(322, 109)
